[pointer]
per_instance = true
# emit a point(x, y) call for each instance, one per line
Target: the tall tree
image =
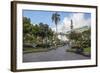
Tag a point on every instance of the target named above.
point(26, 20)
point(27, 29)
point(56, 19)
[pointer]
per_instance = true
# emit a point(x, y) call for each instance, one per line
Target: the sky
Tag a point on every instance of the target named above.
point(79, 19)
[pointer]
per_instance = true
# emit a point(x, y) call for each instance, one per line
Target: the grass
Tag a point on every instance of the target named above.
point(34, 50)
point(88, 50)
point(30, 50)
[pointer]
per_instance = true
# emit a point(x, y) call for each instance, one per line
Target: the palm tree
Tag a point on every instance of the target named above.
point(56, 19)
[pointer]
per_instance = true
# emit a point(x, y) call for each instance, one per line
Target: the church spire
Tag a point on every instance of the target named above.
point(71, 24)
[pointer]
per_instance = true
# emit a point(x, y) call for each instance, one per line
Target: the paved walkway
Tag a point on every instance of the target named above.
point(53, 55)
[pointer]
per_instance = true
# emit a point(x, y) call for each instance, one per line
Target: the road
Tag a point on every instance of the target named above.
point(53, 55)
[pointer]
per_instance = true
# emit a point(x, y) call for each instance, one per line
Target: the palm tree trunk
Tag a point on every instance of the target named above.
point(56, 29)
point(56, 36)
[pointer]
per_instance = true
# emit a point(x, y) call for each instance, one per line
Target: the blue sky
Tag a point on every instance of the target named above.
point(45, 17)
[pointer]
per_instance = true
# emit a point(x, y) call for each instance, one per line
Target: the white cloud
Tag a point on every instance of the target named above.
point(78, 21)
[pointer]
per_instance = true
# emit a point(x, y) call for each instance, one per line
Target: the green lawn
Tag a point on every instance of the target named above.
point(30, 50)
point(88, 50)
point(39, 49)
